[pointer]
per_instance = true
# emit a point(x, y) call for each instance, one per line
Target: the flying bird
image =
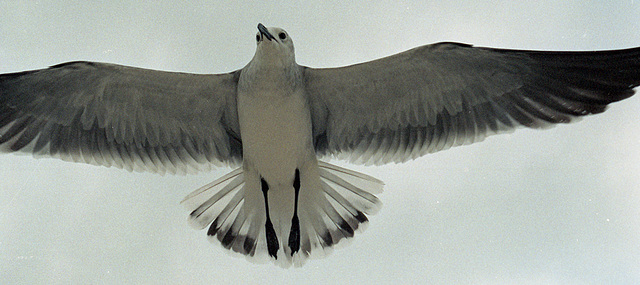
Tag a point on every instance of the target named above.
point(274, 119)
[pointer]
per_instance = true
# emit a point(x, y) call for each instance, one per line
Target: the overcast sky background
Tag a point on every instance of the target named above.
point(559, 206)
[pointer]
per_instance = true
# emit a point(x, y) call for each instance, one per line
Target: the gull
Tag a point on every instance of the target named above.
point(273, 119)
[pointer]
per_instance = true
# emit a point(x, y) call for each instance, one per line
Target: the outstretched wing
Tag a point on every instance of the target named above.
point(437, 96)
point(113, 115)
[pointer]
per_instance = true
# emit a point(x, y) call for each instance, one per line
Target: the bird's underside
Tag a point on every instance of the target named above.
point(274, 119)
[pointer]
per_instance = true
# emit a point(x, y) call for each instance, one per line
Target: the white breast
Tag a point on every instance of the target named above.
point(275, 129)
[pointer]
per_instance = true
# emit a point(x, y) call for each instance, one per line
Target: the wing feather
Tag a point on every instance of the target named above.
point(438, 96)
point(112, 115)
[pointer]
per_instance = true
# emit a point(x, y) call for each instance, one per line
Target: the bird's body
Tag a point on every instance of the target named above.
point(274, 116)
point(274, 119)
point(275, 128)
point(285, 209)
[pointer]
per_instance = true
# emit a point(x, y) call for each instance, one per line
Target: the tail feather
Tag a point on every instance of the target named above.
point(361, 180)
point(204, 201)
point(211, 187)
point(363, 199)
point(229, 216)
point(332, 207)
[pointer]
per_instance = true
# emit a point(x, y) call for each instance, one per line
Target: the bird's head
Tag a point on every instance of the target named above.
point(274, 46)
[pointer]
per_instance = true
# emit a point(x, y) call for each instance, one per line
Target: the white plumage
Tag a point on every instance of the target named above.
point(274, 118)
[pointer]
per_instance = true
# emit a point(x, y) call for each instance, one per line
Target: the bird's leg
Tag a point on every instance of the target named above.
point(272, 239)
point(294, 234)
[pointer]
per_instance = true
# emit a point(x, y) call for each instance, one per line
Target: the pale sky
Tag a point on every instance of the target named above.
point(559, 206)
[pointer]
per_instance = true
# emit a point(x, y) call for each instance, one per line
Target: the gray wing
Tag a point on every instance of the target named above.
point(437, 96)
point(113, 115)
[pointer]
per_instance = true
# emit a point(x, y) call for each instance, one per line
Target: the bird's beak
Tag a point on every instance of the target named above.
point(263, 31)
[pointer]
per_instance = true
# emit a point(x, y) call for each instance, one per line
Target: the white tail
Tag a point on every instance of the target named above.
point(333, 204)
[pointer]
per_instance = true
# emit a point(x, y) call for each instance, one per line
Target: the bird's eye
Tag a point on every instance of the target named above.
point(282, 36)
point(257, 37)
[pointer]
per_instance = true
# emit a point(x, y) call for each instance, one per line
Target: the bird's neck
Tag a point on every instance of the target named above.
point(271, 74)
